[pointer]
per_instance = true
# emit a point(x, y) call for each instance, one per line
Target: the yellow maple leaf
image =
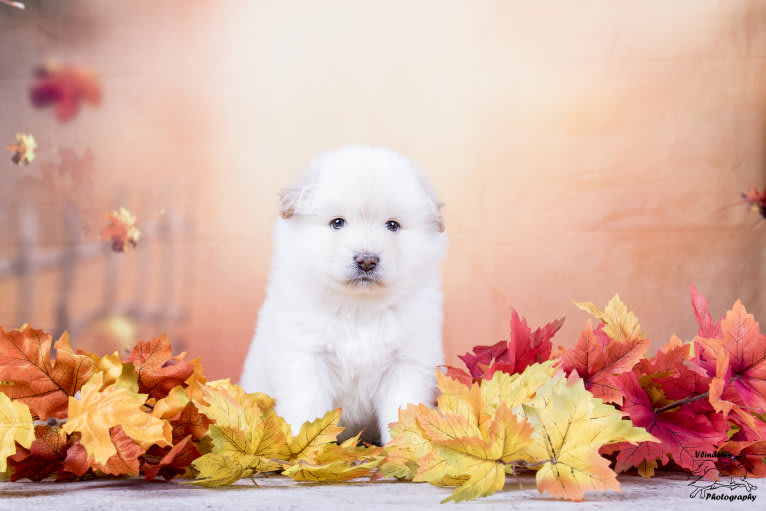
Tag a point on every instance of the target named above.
point(115, 371)
point(15, 426)
point(172, 404)
point(196, 381)
point(242, 432)
point(481, 456)
point(220, 469)
point(570, 426)
point(333, 462)
point(619, 324)
point(458, 399)
point(313, 435)
point(96, 410)
point(335, 471)
point(515, 389)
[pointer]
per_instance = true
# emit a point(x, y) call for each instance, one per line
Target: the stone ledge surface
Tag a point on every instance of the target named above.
point(665, 492)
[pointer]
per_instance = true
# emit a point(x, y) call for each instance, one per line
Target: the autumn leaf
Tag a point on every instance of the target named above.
point(121, 230)
point(667, 360)
point(595, 362)
point(25, 362)
point(740, 365)
point(743, 459)
point(619, 324)
point(337, 471)
point(96, 411)
point(570, 427)
point(15, 426)
point(189, 422)
point(523, 349)
point(174, 462)
point(682, 433)
point(313, 435)
point(115, 372)
point(517, 389)
point(52, 451)
point(23, 150)
point(222, 469)
point(470, 438)
point(244, 436)
point(409, 443)
point(66, 87)
point(708, 328)
point(756, 199)
point(195, 383)
point(158, 372)
point(125, 461)
point(481, 457)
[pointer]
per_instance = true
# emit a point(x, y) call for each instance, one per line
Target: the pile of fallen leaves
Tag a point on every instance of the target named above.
point(576, 417)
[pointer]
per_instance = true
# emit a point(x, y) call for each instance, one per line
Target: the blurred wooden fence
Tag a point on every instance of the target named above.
point(33, 258)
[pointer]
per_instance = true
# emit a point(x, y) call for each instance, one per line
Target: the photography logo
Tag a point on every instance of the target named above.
point(730, 488)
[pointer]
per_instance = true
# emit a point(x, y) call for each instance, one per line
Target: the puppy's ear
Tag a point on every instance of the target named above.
point(438, 218)
point(291, 199)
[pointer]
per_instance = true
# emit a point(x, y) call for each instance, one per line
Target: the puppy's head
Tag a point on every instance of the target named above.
point(361, 220)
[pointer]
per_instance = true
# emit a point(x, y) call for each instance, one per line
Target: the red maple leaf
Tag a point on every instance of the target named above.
point(157, 370)
point(683, 434)
point(51, 452)
point(523, 349)
point(174, 461)
point(596, 358)
point(28, 374)
point(744, 459)
point(66, 87)
point(739, 384)
point(708, 328)
point(667, 360)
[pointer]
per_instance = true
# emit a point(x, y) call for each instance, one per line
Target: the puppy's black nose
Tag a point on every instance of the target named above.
point(366, 261)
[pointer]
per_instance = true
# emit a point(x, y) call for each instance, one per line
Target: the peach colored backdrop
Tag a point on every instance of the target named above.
point(582, 148)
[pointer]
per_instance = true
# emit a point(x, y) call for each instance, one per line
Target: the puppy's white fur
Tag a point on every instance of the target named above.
point(325, 337)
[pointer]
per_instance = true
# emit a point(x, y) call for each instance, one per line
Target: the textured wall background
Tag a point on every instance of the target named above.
point(582, 148)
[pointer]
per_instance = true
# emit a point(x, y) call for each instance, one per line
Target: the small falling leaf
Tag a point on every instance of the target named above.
point(23, 150)
point(66, 87)
point(121, 230)
point(756, 199)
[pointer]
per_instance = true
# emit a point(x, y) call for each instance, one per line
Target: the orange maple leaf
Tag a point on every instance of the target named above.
point(29, 375)
point(157, 371)
point(121, 230)
point(125, 462)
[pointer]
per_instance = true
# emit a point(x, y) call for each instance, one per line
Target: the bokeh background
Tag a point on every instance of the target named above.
point(582, 149)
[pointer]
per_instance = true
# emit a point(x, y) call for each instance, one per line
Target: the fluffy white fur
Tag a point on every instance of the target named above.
point(325, 337)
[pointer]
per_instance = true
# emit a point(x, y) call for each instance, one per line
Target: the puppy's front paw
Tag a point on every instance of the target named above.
point(297, 411)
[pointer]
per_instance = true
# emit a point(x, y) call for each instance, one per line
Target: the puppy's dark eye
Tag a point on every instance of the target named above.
point(393, 225)
point(337, 223)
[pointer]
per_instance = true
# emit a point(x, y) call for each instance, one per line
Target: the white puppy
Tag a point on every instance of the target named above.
point(353, 309)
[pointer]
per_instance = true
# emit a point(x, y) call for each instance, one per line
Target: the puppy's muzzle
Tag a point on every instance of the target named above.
point(366, 262)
